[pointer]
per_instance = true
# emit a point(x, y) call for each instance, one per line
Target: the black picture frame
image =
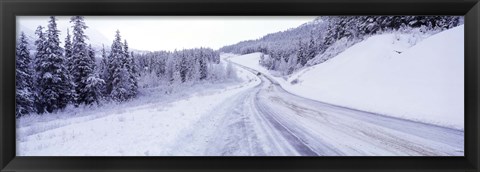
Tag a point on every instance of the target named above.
point(11, 8)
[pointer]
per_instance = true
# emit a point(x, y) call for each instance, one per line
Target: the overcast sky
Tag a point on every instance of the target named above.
point(173, 32)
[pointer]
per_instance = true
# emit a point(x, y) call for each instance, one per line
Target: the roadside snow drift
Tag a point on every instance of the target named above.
point(384, 75)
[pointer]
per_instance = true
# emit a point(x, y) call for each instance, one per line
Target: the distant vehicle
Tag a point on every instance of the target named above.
point(258, 74)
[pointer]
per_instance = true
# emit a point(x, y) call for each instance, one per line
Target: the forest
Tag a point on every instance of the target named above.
point(53, 76)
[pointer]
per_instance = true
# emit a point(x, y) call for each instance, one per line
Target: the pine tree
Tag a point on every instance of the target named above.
point(119, 82)
point(183, 66)
point(54, 81)
point(302, 53)
point(91, 54)
point(196, 68)
point(311, 49)
point(133, 76)
point(170, 68)
point(103, 71)
point(177, 78)
point(203, 65)
point(130, 66)
point(40, 44)
point(69, 64)
point(93, 89)
point(68, 51)
point(113, 60)
point(23, 79)
point(94, 83)
point(83, 58)
point(292, 64)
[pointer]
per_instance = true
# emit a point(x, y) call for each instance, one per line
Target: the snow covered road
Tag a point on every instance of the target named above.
point(267, 120)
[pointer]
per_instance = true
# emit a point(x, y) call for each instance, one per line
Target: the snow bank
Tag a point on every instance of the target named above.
point(384, 74)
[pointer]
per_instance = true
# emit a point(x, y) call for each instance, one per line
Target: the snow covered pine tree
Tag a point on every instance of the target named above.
point(23, 79)
point(53, 81)
point(120, 83)
point(83, 69)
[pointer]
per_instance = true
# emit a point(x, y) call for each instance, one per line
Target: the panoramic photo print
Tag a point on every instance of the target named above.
point(240, 86)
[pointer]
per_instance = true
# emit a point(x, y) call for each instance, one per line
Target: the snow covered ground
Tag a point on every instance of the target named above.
point(385, 75)
point(143, 127)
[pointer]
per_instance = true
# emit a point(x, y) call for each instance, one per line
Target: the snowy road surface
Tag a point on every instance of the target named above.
point(256, 117)
point(267, 120)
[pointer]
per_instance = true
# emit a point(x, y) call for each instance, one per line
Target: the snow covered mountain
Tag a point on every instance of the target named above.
point(284, 40)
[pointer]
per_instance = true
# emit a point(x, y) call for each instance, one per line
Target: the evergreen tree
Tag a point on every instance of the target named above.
point(170, 68)
point(94, 83)
point(302, 53)
point(311, 50)
point(292, 64)
point(68, 51)
point(91, 54)
point(93, 89)
point(54, 81)
point(40, 44)
point(183, 66)
point(133, 76)
point(83, 58)
point(120, 76)
point(116, 54)
point(203, 66)
point(69, 64)
point(103, 71)
point(196, 68)
point(24, 96)
point(177, 78)
point(130, 66)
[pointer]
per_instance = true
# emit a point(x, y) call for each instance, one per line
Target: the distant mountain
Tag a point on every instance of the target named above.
point(284, 40)
point(95, 38)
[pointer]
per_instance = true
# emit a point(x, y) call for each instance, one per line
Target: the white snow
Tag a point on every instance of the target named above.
point(425, 82)
point(147, 126)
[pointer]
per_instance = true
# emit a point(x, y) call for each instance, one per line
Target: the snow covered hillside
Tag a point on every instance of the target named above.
point(384, 75)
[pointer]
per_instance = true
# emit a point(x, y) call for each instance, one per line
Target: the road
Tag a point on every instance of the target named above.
point(267, 120)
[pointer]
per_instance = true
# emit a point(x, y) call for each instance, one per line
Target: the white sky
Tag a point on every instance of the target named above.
point(173, 32)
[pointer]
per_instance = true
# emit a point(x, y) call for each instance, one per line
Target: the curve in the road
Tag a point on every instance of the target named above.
point(315, 128)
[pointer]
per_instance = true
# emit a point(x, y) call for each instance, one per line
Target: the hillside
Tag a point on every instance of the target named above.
point(384, 75)
point(323, 38)
point(284, 40)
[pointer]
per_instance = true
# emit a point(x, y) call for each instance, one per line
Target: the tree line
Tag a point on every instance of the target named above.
point(172, 68)
point(56, 76)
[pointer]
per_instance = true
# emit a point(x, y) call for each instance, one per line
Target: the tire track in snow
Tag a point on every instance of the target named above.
point(267, 120)
point(372, 134)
